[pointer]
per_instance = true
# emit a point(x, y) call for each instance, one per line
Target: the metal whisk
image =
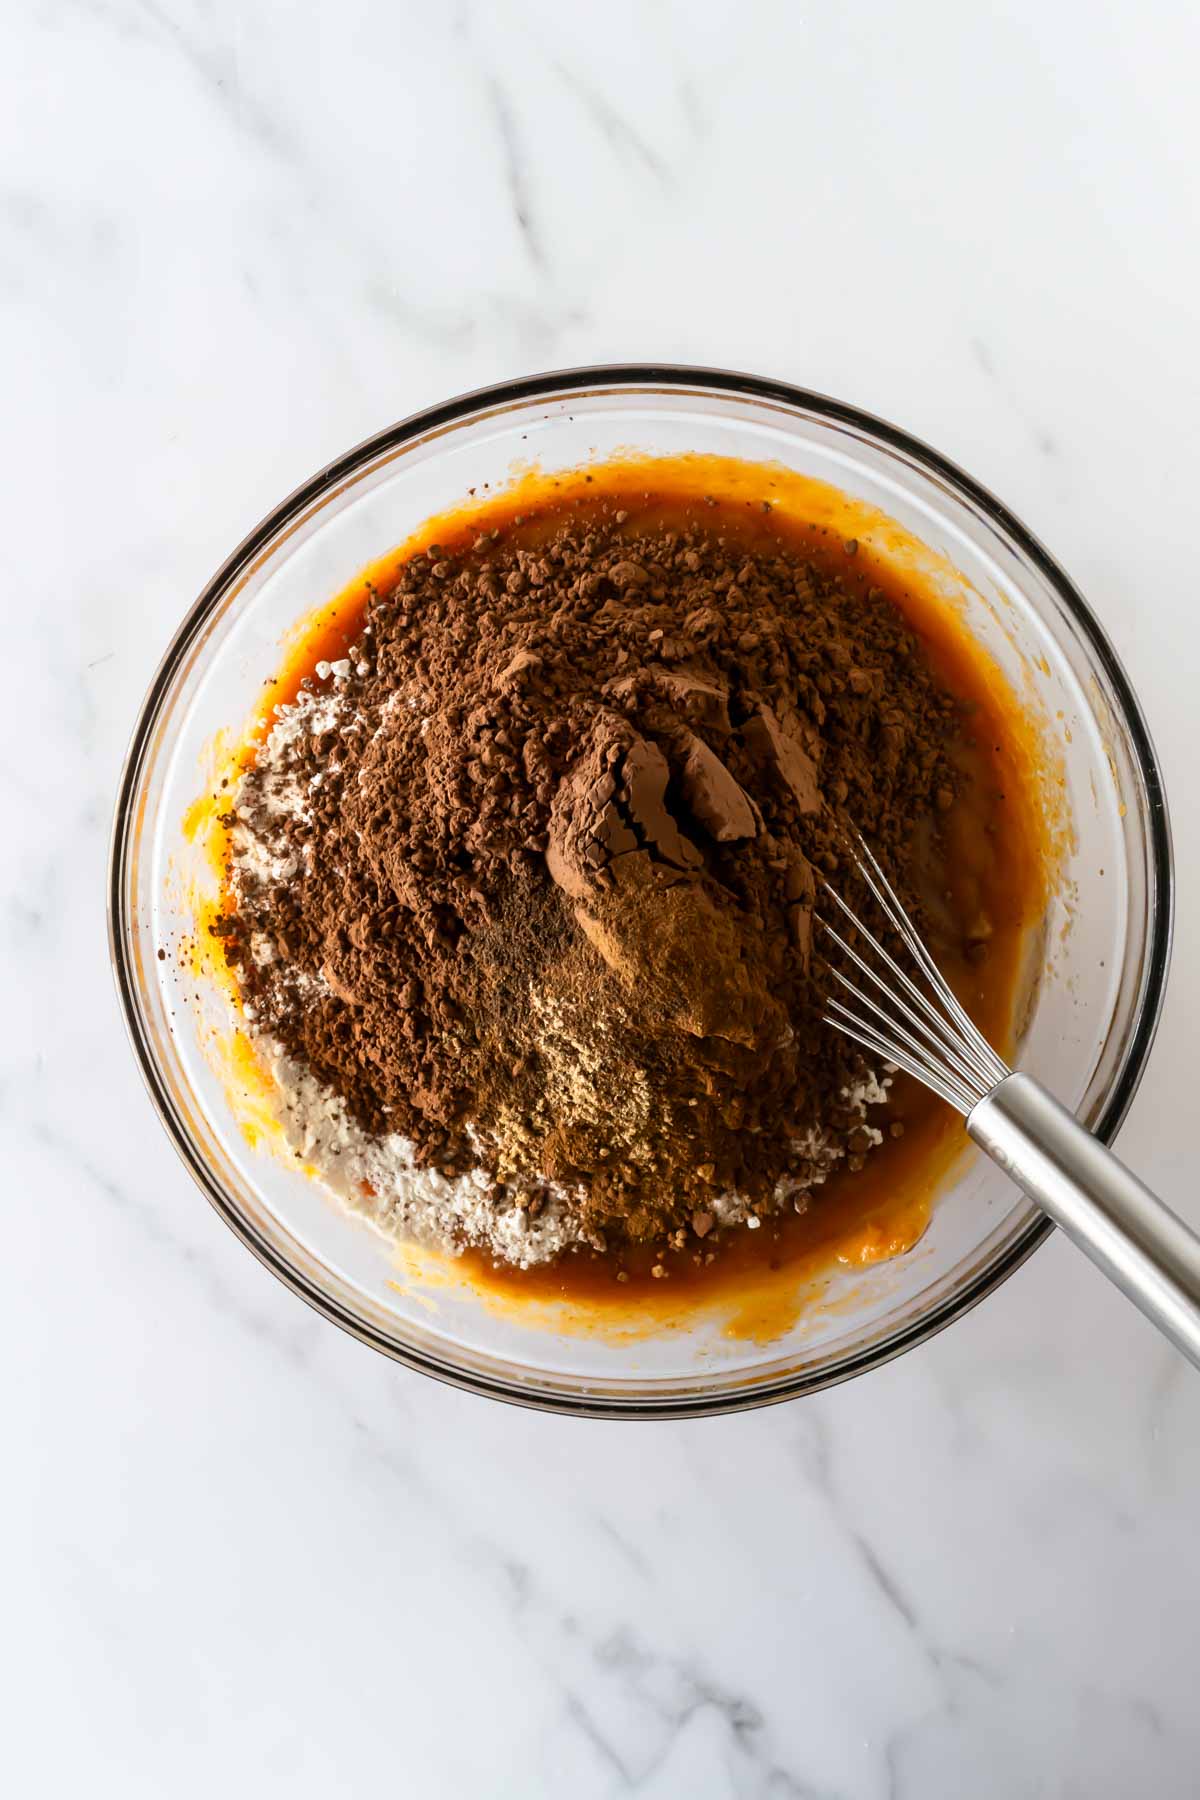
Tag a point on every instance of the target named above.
point(914, 1022)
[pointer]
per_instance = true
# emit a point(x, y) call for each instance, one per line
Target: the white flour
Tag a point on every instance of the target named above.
point(377, 1177)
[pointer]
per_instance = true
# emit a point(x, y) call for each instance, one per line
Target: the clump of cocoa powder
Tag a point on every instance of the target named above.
point(541, 897)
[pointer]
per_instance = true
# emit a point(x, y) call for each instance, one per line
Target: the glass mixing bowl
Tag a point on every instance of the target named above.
point(1095, 1008)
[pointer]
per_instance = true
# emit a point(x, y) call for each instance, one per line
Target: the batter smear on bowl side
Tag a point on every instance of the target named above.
point(520, 880)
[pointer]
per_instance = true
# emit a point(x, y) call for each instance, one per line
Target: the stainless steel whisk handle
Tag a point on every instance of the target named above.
point(1139, 1243)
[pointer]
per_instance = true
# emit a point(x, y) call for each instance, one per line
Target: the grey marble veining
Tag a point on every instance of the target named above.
point(244, 1553)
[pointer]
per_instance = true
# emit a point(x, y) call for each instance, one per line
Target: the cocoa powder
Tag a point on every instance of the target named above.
point(552, 908)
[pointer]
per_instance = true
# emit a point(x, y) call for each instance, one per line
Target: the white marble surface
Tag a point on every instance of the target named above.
point(243, 1554)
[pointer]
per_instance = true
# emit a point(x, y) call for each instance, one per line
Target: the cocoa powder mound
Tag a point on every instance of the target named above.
point(551, 909)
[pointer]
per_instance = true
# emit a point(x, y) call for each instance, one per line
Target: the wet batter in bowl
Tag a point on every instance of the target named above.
point(520, 877)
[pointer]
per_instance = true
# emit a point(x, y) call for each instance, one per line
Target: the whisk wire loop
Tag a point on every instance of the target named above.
point(992, 1067)
point(861, 1032)
point(940, 1039)
point(929, 1035)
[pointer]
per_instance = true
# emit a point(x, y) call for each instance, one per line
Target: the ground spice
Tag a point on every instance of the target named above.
point(533, 887)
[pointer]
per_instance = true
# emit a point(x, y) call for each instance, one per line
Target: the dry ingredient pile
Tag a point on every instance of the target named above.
point(522, 887)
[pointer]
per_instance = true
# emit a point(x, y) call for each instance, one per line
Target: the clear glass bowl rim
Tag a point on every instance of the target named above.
point(551, 385)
